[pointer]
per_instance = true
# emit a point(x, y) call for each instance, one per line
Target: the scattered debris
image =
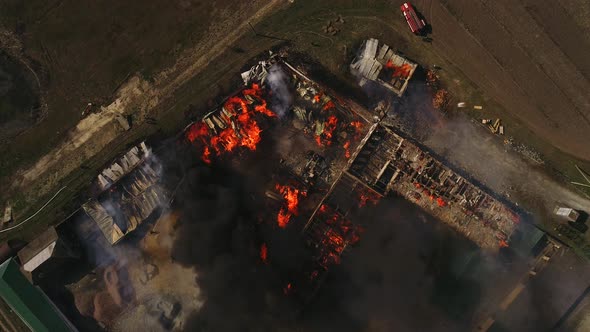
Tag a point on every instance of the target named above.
point(496, 127)
point(7, 214)
point(441, 99)
point(432, 79)
point(524, 150)
point(477, 107)
point(330, 29)
point(461, 104)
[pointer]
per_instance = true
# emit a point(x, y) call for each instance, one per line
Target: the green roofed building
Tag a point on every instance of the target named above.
point(33, 307)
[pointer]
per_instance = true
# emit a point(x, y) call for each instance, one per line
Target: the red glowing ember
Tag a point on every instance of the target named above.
point(206, 155)
point(357, 125)
point(316, 98)
point(329, 105)
point(314, 275)
point(264, 253)
point(241, 129)
point(399, 71)
point(440, 202)
point(346, 147)
point(335, 234)
point(288, 289)
point(291, 196)
point(368, 197)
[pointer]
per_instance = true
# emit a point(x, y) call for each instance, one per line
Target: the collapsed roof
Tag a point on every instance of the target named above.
point(384, 66)
point(131, 199)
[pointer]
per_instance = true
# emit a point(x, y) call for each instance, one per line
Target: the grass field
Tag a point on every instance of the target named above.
point(88, 50)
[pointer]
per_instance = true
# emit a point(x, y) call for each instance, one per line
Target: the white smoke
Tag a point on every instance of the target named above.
point(281, 98)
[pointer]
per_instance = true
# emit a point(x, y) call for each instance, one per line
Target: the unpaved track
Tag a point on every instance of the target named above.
point(139, 97)
point(522, 61)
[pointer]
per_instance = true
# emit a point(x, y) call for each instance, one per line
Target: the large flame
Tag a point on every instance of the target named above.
point(399, 71)
point(241, 130)
point(291, 196)
point(327, 134)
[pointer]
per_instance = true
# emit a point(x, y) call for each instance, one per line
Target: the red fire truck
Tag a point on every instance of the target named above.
point(416, 24)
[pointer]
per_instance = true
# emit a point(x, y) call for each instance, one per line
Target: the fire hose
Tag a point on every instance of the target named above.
point(34, 214)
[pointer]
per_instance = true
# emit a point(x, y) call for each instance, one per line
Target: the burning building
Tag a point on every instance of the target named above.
point(390, 163)
point(383, 66)
point(324, 128)
point(337, 161)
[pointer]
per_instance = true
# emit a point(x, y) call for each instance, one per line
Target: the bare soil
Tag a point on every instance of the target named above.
point(507, 52)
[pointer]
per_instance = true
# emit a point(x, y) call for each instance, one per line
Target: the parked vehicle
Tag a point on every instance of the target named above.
point(414, 22)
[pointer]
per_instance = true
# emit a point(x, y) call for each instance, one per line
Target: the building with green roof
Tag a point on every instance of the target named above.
point(33, 307)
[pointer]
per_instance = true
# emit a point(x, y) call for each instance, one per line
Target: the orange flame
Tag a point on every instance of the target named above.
point(346, 150)
point(399, 71)
point(206, 155)
point(291, 196)
point(335, 236)
point(357, 125)
point(241, 127)
point(329, 128)
point(440, 202)
point(503, 244)
point(329, 105)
